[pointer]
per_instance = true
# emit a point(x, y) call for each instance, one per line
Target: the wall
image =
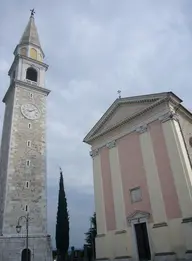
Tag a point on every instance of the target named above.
point(5, 146)
point(11, 248)
point(155, 159)
point(17, 195)
point(186, 126)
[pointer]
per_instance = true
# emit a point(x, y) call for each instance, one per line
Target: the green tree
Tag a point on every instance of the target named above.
point(91, 235)
point(62, 225)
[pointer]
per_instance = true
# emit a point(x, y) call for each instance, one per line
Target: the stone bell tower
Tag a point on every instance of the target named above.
point(23, 154)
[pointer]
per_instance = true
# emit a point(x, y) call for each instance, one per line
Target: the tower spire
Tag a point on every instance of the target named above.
point(30, 35)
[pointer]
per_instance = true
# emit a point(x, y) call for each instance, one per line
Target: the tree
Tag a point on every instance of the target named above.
point(91, 235)
point(62, 225)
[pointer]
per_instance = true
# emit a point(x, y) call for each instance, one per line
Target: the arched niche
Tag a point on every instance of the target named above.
point(31, 74)
point(24, 51)
point(26, 253)
point(33, 53)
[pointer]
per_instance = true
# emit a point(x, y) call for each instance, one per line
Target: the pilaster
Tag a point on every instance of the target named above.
point(154, 187)
point(179, 164)
point(98, 192)
point(182, 173)
point(117, 186)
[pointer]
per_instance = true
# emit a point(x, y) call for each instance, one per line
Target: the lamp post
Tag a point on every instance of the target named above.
point(18, 229)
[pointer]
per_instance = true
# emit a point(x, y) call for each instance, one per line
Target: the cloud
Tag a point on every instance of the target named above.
point(4, 66)
point(95, 48)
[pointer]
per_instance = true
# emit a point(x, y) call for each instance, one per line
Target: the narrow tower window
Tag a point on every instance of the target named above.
point(29, 125)
point(31, 74)
point(31, 95)
point(28, 162)
point(27, 184)
point(26, 208)
point(28, 143)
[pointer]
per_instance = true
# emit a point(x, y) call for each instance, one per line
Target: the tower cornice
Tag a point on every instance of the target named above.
point(46, 66)
point(26, 44)
point(25, 85)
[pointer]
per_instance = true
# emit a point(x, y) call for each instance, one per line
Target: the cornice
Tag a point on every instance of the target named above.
point(33, 86)
point(94, 153)
point(8, 91)
point(142, 129)
point(19, 56)
point(110, 111)
point(129, 119)
point(155, 98)
point(169, 116)
point(111, 144)
point(27, 85)
point(46, 66)
point(13, 63)
point(27, 44)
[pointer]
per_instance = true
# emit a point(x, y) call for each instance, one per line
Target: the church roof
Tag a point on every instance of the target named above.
point(30, 34)
point(126, 109)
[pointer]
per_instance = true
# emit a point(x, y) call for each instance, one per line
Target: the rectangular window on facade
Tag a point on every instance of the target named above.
point(27, 184)
point(28, 162)
point(135, 194)
point(31, 95)
point(26, 208)
point(29, 125)
point(28, 143)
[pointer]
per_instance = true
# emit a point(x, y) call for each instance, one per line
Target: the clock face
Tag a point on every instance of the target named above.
point(30, 111)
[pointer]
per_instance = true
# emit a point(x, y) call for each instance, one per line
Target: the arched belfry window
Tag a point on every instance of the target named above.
point(33, 53)
point(26, 253)
point(31, 74)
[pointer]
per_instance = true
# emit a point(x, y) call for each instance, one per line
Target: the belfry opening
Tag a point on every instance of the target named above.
point(31, 74)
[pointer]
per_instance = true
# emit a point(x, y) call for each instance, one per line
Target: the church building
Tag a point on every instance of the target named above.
point(23, 198)
point(142, 166)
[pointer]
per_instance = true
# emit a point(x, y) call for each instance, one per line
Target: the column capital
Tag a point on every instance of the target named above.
point(171, 115)
point(111, 144)
point(142, 129)
point(94, 153)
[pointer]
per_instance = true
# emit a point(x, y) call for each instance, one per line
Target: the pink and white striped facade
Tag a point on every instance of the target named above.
point(143, 142)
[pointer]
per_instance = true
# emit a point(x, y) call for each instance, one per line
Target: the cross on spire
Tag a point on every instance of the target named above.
point(119, 93)
point(32, 12)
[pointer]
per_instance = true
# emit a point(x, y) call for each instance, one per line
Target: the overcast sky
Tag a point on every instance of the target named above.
point(94, 48)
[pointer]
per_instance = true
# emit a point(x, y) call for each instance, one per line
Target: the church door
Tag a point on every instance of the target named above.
point(142, 241)
point(26, 255)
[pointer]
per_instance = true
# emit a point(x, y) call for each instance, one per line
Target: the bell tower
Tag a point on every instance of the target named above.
point(23, 153)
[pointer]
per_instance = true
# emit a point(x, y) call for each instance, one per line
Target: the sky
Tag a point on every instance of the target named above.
point(95, 48)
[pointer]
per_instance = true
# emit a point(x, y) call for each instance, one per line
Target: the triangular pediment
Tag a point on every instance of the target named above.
point(122, 112)
point(124, 109)
point(138, 215)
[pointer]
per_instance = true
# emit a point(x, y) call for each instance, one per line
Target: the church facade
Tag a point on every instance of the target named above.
point(142, 168)
point(23, 175)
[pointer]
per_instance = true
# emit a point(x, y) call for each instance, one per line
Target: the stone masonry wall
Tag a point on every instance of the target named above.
point(11, 248)
point(5, 143)
point(18, 195)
